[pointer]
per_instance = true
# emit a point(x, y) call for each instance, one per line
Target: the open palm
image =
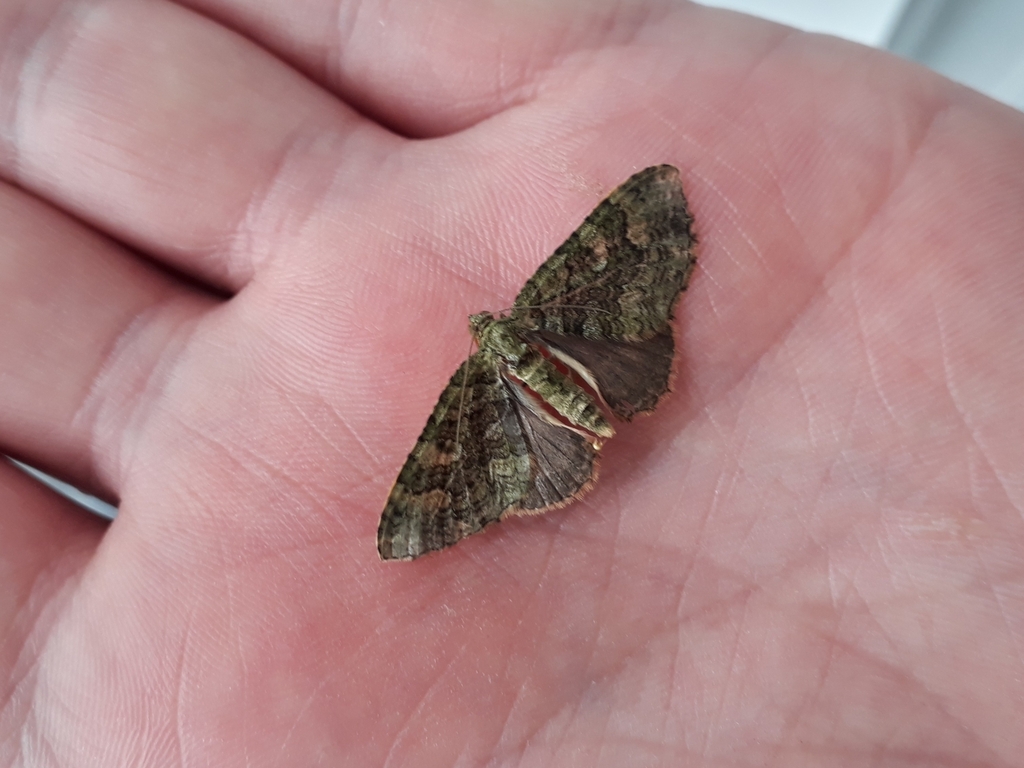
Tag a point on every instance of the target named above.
point(238, 245)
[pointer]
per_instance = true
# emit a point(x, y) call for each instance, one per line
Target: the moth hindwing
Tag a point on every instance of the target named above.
point(518, 427)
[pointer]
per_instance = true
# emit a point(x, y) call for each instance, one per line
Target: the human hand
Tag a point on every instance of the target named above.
point(811, 553)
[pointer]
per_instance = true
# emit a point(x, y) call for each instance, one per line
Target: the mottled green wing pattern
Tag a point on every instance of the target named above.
point(618, 276)
point(448, 490)
point(499, 457)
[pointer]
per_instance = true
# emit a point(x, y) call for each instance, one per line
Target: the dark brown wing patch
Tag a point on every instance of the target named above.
point(631, 376)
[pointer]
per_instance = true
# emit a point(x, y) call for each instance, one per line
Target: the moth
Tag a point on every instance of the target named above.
point(519, 426)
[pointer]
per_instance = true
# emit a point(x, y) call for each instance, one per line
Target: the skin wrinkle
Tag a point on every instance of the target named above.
point(746, 596)
point(626, 658)
point(247, 460)
point(839, 260)
point(526, 86)
point(602, 607)
point(300, 713)
point(912, 681)
point(669, 705)
point(22, 686)
point(532, 77)
point(417, 710)
point(50, 582)
point(241, 456)
point(479, 227)
point(843, 458)
point(792, 722)
point(241, 239)
point(39, 742)
point(869, 357)
point(440, 265)
point(972, 469)
point(839, 610)
point(845, 430)
point(1000, 604)
point(727, 479)
point(515, 634)
point(346, 16)
point(716, 496)
point(735, 220)
point(782, 38)
point(691, 564)
point(179, 738)
point(311, 424)
point(249, 229)
point(232, 628)
point(591, 651)
point(714, 723)
point(962, 412)
point(19, 718)
point(813, 296)
point(834, 588)
point(394, 620)
point(605, 676)
point(780, 189)
point(746, 81)
point(571, 718)
point(603, 730)
point(893, 646)
point(132, 413)
point(721, 162)
point(803, 521)
point(808, 408)
point(500, 85)
point(520, 89)
point(887, 552)
point(993, 585)
point(990, 586)
point(47, 28)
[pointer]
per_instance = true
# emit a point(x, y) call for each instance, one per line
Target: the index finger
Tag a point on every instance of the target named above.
point(170, 132)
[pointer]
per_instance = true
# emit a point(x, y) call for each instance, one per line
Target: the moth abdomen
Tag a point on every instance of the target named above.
point(557, 390)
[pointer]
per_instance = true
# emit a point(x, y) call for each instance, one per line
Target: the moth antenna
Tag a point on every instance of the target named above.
point(462, 402)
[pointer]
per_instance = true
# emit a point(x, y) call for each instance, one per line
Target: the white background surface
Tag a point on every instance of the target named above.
point(863, 21)
point(979, 43)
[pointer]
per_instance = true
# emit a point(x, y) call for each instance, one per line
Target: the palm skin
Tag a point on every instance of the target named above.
point(813, 554)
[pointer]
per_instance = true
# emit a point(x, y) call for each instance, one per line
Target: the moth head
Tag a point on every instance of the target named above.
point(497, 335)
point(479, 323)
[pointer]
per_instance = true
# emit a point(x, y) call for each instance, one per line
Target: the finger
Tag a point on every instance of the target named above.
point(46, 543)
point(168, 131)
point(406, 63)
point(85, 332)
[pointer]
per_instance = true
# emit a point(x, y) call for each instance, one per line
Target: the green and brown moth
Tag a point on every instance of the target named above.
point(518, 427)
